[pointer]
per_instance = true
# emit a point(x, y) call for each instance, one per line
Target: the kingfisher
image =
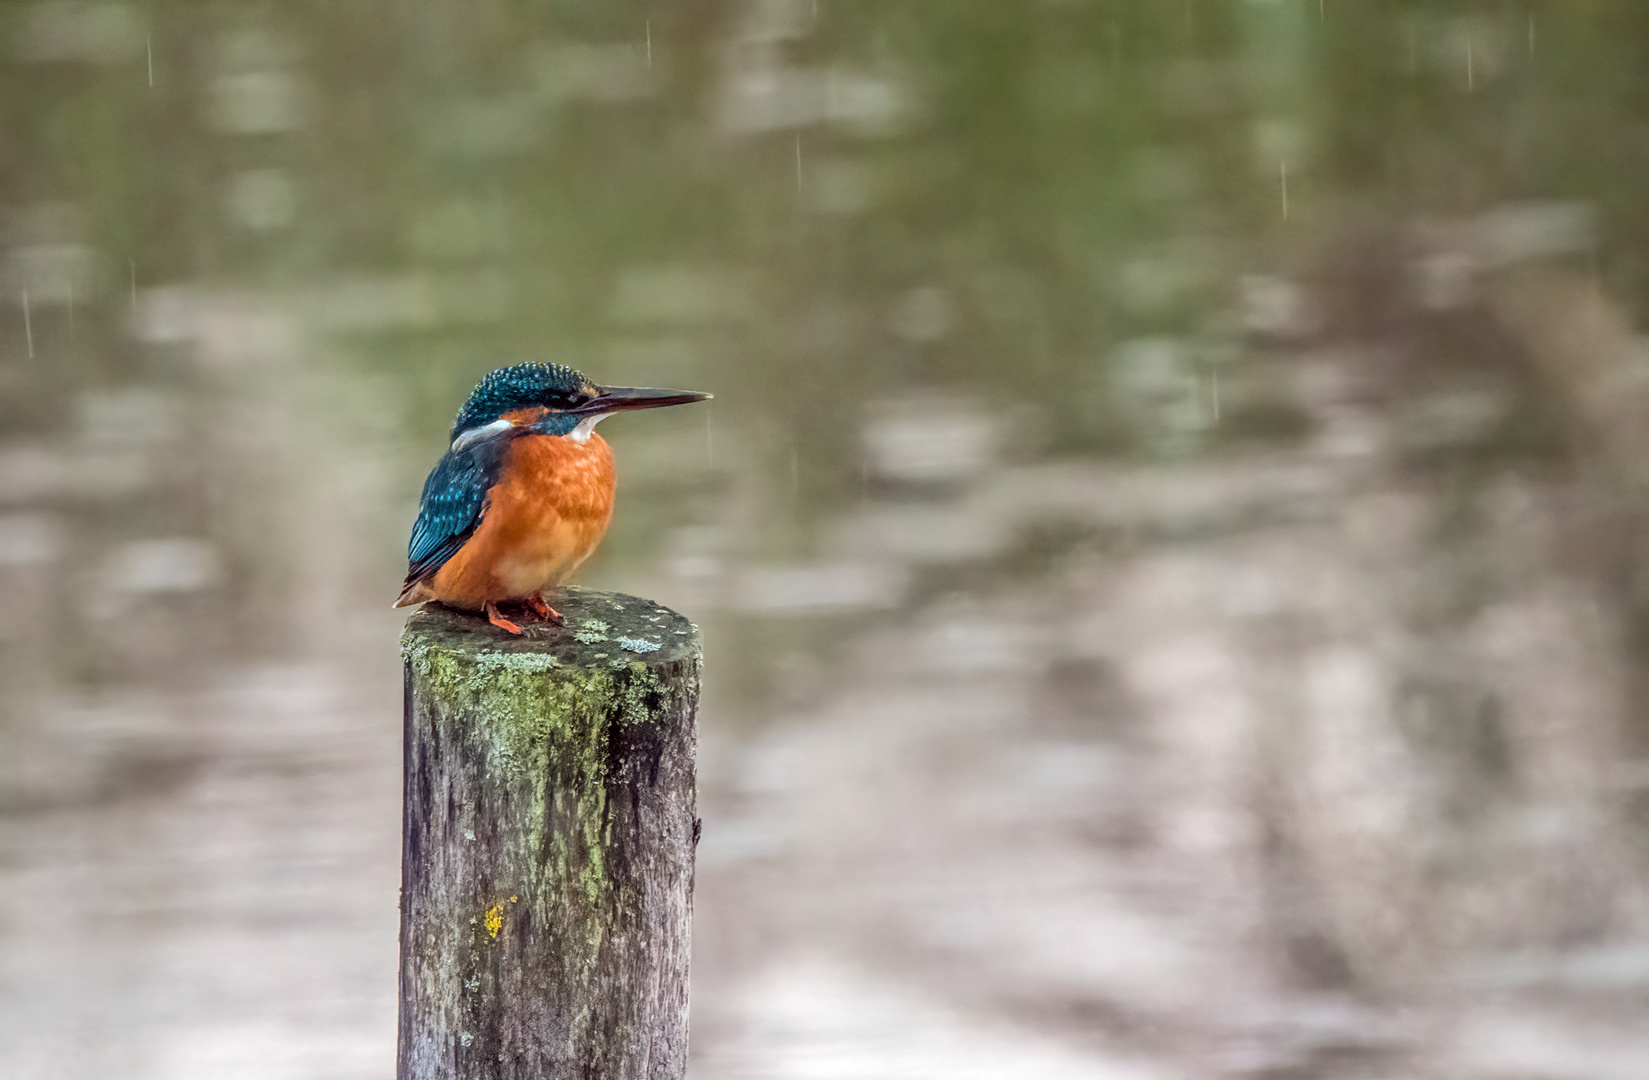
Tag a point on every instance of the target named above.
point(523, 494)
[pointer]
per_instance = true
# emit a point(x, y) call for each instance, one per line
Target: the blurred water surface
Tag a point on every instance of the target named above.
point(1167, 537)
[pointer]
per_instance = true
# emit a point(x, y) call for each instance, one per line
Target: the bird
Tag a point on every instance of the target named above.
point(523, 494)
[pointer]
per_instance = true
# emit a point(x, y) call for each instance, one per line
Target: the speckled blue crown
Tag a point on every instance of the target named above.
point(519, 386)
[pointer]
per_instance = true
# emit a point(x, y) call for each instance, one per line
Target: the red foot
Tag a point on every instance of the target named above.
point(544, 611)
point(499, 621)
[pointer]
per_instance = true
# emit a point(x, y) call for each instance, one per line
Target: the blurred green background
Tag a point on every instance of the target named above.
point(1167, 536)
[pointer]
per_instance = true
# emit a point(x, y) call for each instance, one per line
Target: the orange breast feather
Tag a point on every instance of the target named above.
point(543, 518)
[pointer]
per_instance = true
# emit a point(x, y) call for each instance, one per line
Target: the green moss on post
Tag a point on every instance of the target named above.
point(547, 844)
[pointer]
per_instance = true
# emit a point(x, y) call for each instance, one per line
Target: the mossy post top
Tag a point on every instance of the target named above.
point(603, 630)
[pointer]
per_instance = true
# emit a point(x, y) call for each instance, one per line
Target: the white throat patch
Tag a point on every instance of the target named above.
point(586, 427)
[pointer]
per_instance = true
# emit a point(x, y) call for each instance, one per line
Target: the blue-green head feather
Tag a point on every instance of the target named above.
point(523, 386)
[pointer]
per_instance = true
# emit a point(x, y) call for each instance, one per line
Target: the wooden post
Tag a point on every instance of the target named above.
point(547, 844)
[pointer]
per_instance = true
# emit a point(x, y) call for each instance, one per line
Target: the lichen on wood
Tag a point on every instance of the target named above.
point(547, 848)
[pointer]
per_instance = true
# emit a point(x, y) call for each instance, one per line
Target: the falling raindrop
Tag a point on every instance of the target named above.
point(1471, 79)
point(149, 52)
point(710, 437)
point(798, 163)
point(1282, 171)
point(649, 44)
point(28, 330)
point(131, 267)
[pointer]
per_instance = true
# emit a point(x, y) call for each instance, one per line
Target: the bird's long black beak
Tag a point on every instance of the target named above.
point(615, 398)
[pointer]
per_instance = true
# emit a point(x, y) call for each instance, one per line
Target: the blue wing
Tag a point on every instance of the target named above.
point(454, 500)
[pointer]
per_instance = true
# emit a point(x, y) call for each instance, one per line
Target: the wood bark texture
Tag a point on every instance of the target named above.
point(547, 844)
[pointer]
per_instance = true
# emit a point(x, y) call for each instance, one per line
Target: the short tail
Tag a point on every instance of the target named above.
point(413, 592)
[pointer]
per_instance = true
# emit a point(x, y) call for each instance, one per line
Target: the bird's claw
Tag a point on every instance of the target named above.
point(535, 604)
point(498, 620)
point(543, 610)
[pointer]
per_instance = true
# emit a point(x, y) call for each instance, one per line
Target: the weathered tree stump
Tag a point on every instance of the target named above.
point(547, 844)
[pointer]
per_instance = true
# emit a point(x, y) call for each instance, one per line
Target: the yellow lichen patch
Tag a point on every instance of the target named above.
point(494, 920)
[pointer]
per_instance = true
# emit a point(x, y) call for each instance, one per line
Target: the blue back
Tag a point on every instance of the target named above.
point(454, 495)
